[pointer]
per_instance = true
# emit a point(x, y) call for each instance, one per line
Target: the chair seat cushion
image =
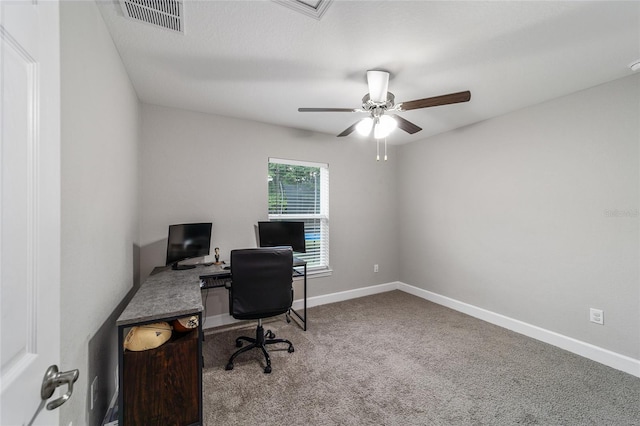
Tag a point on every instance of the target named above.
point(258, 315)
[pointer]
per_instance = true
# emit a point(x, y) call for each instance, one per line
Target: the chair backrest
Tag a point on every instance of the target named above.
point(261, 284)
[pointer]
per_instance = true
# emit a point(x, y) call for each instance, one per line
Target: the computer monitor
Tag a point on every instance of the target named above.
point(186, 241)
point(282, 233)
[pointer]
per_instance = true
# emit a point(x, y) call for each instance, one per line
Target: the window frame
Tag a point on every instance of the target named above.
point(323, 216)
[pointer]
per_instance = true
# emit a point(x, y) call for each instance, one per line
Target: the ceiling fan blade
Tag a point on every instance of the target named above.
point(327, 110)
point(451, 98)
point(348, 130)
point(406, 125)
point(378, 82)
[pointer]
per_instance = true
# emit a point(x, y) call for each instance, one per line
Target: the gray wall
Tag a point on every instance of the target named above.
point(199, 167)
point(100, 190)
point(533, 215)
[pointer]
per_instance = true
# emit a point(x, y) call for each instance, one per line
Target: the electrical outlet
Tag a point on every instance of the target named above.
point(596, 316)
point(375, 268)
point(94, 391)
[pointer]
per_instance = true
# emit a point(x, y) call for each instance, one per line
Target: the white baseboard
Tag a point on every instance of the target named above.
point(218, 320)
point(578, 347)
point(587, 350)
point(298, 304)
point(345, 295)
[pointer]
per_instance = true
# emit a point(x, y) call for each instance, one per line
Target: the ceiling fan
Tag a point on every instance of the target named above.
point(380, 103)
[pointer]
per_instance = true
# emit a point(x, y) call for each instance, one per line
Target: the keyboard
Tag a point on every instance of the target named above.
point(213, 282)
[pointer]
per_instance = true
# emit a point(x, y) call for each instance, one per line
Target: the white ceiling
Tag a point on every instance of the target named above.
point(260, 61)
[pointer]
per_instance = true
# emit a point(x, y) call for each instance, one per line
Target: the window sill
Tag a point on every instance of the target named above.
point(320, 273)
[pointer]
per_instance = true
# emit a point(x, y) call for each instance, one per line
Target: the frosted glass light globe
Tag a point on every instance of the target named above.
point(364, 126)
point(384, 127)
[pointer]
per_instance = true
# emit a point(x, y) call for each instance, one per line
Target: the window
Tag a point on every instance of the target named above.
point(299, 190)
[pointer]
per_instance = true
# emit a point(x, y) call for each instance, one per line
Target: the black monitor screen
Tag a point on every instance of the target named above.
point(275, 234)
point(187, 241)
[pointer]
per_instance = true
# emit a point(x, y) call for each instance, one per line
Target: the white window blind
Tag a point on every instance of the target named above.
point(299, 191)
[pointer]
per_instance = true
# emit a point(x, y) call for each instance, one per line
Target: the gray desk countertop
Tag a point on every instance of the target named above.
point(167, 294)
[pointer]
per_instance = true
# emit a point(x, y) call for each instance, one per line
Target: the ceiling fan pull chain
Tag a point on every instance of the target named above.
point(377, 149)
point(385, 149)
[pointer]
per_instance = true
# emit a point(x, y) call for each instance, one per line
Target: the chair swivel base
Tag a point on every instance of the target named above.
point(262, 339)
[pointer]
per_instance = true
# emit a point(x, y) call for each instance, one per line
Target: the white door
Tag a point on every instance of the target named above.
point(30, 209)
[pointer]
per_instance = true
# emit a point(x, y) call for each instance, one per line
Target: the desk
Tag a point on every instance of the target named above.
point(301, 263)
point(143, 377)
point(215, 276)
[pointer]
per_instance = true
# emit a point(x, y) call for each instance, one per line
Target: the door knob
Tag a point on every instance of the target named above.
point(54, 378)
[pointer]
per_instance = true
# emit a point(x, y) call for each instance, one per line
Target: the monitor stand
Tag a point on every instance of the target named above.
point(177, 267)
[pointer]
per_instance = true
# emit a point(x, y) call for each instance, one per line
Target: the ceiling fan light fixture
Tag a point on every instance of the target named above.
point(384, 127)
point(364, 126)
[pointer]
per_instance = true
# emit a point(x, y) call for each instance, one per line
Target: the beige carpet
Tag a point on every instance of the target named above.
point(396, 359)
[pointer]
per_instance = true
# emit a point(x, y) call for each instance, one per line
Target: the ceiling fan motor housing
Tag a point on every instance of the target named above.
point(378, 108)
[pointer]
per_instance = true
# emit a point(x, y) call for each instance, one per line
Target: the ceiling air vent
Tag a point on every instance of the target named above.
point(166, 14)
point(313, 8)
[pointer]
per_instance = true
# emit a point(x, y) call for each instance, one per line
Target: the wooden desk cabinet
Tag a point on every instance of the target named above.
point(162, 386)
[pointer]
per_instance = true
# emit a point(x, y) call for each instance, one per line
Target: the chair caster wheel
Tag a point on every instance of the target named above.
point(291, 349)
point(288, 319)
point(229, 367)
point(269, 335)
point(267, 369)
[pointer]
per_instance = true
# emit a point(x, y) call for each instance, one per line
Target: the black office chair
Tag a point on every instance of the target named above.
point(261, 287)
